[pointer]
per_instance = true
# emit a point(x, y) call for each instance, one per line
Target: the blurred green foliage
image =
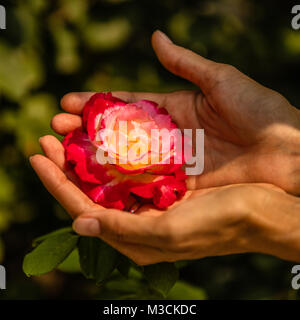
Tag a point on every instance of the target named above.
point(52, 47)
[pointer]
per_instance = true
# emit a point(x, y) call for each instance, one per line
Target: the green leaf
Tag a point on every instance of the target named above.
point(71, 263)
point(124, 266)
point(97, 259)
point(40, 239)
point(21, 72)
point(32, 120)
point(107, 35)
point(161, 277)
point(182, 263)
point(49, 254)
point(185, 291)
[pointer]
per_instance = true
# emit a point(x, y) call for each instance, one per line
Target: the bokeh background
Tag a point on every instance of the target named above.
point(51, 47)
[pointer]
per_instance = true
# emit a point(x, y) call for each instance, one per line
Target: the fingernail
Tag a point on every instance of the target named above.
point(87, 226)
point(164, 36)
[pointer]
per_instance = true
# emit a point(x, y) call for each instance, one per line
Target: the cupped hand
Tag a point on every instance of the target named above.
point(252, 133)
point(221, 221)
point(210, 222)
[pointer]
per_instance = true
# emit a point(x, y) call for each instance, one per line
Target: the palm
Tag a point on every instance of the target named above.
point(242, 122)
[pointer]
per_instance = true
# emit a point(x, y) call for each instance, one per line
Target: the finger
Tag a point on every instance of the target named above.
point(56, 182)
point(140, 254)
point(53, 150)
point(64, 123)
point(122, 227)
point(184, 62)
point(270, 186)
point(74, 102)
point(131, 97)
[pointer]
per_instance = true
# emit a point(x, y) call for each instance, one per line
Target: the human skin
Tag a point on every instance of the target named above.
point(252, 135)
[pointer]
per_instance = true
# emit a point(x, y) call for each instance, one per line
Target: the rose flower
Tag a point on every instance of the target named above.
point(127, 150)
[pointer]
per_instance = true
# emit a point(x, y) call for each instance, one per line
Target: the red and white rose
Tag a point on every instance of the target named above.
point(127, 150)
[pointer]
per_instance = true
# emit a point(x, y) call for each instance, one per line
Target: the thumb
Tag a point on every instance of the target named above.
point(185, 63)
point(119, 226)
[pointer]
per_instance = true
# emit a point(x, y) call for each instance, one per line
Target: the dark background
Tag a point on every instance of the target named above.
point(52, 47)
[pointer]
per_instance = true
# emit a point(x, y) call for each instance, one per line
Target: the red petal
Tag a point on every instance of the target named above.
point(166, 195)
point(108, 196)
point(81, 155)
point(157, 189)
point(94, 109)
point(151, 108)
point(111, 185)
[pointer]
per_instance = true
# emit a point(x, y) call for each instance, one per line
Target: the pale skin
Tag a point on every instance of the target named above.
point(242, 202)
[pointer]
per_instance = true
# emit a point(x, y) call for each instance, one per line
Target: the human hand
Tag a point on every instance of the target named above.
point(225, 220)
point(252, 133)
point(209, 222)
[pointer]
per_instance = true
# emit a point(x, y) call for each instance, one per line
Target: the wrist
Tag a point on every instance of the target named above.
point(275, 225)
